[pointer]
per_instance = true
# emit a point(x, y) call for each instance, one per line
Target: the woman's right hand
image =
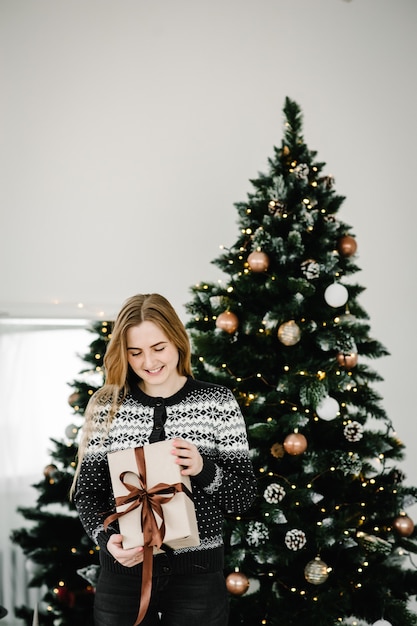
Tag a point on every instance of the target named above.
point(127, 558)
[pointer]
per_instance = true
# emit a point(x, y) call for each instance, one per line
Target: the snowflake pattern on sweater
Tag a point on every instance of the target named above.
point(205, 414)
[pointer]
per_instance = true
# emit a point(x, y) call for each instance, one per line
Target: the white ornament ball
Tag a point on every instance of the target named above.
point(328, 408)
point(382, 622)
point(336, 295)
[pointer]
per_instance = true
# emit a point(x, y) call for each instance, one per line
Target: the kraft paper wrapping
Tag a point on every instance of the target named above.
point(178, 520)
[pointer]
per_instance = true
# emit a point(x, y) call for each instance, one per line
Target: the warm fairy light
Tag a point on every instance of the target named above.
point(201, 359)
point(286, 368)
point(229, 289)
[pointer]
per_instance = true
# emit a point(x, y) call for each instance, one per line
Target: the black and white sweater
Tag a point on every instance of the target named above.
point(207, 415)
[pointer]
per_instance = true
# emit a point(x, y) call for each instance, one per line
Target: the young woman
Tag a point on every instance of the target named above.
point(149, 395)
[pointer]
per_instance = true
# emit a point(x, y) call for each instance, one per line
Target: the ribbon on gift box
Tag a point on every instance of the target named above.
point(153, 535)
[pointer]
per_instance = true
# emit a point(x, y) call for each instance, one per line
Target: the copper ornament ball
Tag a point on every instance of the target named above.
point(49, 470)
point(74, 399)
point(258, 261)
point(227, 321)
point(404, 525)
point(295, 444)
point(347, 360)
point(347, 245)
point(237, 583)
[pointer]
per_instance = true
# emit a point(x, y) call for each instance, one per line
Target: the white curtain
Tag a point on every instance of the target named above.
point(36, 367)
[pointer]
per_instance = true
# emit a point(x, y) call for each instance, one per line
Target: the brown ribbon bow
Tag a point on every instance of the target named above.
point(153, 535)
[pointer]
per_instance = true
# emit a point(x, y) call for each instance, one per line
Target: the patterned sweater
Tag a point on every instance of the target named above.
point(205, 414)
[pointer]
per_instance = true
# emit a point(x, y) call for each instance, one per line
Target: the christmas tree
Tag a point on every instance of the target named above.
point(328, 540)
point(61, 560)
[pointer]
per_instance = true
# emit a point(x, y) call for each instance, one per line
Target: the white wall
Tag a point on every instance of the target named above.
point(129, 129)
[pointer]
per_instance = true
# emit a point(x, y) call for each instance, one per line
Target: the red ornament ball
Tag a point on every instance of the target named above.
point(258, 261)
point(237, 583)
point(65, 596)
point(227, 321)
point(295, 444)
point(347, 360)
point(404, 525)
point(347, 245)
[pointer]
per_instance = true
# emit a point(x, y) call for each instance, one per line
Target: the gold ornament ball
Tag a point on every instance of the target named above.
point(258, 261)
point(347, 245)
point(237, 583)
point(315, 572)
point(404, 525)
point(227, 321)
point(289, 333)
point(277, 450)
point(295, 444)
point(347, 360)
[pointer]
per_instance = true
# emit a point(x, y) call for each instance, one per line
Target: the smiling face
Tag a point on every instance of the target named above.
point(154, 358)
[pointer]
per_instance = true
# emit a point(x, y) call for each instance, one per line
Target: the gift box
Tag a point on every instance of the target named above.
point(149, 490)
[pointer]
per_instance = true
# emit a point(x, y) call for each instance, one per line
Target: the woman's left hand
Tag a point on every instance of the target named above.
point(188, 457)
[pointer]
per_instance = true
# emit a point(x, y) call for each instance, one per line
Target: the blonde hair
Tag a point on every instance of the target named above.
point(136, 309)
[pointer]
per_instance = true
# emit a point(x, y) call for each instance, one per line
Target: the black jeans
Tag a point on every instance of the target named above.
point(177, 600)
